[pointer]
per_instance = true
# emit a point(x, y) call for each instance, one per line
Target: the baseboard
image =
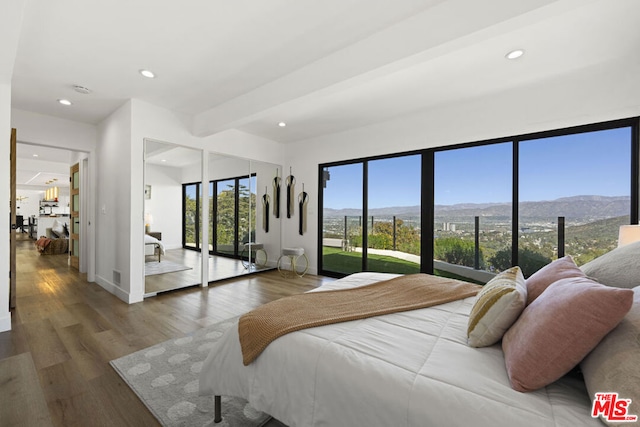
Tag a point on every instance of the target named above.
point(5, 322)
point(112, 288)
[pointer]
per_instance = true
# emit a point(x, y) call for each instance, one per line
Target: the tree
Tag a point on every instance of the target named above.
point(528, 261)
point(456, 251)
point(190, 216)
point(226, 219)
point(407, 237)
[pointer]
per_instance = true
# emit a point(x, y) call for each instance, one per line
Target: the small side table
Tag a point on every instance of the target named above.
point(294, 255)
point(260, 257)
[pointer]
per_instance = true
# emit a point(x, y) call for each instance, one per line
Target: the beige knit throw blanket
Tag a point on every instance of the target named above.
point(259, 327)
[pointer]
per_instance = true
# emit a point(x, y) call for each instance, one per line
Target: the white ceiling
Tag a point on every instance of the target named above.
point(41, 167)
point(320, 66)
point(165, 154)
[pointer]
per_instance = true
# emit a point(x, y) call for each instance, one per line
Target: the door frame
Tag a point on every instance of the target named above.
point(74, 216)
point(12, 239)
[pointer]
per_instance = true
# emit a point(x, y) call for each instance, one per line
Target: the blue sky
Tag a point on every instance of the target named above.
point(595, 163)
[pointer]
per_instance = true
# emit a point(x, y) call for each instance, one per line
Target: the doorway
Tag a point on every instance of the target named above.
point(44, 200)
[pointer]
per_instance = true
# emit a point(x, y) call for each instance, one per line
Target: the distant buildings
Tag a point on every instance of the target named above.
point(448, 226)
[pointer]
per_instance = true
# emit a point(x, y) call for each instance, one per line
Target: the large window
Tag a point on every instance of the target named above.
point(472, 208)
point(574, 195)
point(393, 214)
point(525, 200)
point(382, 234)
point(342, 218)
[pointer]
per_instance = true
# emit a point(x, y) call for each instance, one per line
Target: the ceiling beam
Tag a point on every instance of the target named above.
point(422, 37)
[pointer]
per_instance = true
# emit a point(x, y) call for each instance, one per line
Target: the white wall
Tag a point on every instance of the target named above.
point(265, 172)
point(5, 184)
point(113, 222)
point(557, 103)
point(30, 205)
point(53, 131)
point(165, 204)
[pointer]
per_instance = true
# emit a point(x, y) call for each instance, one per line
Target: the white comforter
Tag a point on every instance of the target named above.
point(406, 369)
point(151, 240)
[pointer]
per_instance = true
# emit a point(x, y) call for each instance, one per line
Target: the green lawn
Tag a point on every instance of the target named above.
point(334, 259)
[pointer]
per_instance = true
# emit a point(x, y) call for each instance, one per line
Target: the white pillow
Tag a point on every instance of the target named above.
point(619, 268)
point(614, 365)
point(498, 305)
point(58, 228)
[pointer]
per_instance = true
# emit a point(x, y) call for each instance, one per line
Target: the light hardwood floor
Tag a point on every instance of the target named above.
point(220, 268)
point(54, 366)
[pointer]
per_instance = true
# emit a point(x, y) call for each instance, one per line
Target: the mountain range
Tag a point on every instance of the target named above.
point(576, 208)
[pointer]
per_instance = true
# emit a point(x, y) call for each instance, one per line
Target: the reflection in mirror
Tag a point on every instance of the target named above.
point(267, 226)
point(170, 172)
point(239, 242)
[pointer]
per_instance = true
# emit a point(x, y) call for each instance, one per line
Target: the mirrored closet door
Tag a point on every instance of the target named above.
point(241, 239)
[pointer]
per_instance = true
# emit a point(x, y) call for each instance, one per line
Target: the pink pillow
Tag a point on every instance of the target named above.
point(562, 268)
point(559, 329)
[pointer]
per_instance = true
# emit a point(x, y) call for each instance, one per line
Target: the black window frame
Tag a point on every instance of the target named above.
point(184, 216)
point(428, 190)
point(213, 205)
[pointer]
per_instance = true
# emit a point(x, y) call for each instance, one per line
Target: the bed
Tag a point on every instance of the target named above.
point(155, 244)
point(413, 368)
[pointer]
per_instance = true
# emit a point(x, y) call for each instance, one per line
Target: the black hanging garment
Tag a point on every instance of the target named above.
point(276, 195)
point(265, 212)
point(291, 191)
point(303, 200)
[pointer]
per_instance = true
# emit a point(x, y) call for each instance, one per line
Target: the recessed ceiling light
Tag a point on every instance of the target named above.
point(282, 124)
point(35, 155)
point(515, 54)
point(64, 101)
point(163, 160)
point(147, 73)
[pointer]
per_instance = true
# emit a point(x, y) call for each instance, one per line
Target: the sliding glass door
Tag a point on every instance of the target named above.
point(524, 201)
point(371, 216)
point(342, 218)
point(472, 210)
point(393, 214)
point(574, 195)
